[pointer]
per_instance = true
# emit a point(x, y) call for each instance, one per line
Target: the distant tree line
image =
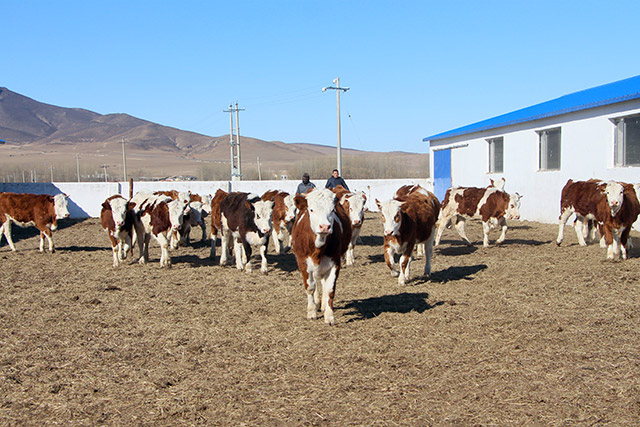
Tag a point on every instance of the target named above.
point(354, 167)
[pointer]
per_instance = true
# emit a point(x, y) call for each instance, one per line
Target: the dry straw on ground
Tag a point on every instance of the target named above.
point(522, 334)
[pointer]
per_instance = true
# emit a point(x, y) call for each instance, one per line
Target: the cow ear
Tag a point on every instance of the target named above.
point(300, 201)
point(106, 205)
point(131, 205)
point(379, 204)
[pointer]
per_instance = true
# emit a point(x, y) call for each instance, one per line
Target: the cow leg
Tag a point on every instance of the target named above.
point(503, 224)
point(420, 248)
point(125, 241)
point(165, 259)
point(609, 241)
point(428, 253)
point(115, 249)
point(405, 264)
point(263, 258)
point(328, 294)
point(246, 256)
point(224, 247)
point(390, 260)
point(460, 229)
point(7, 233)
point(46, 233)
point(563, 220)
point(579, 224)
point(277, 244)
point(144, 257)
point(309, 287)
point(442, 224)
point(203, 227)
point(624, 240)
point(212, 253)
point(237, 252)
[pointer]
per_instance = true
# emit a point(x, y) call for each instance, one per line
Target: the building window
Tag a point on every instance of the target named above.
point(627, 141)
point(495, 155)
point(549, 149)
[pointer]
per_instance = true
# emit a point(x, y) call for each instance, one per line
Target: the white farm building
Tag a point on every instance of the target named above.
point(594, 133)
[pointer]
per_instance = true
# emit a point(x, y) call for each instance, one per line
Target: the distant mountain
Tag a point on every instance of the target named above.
point(44, 133)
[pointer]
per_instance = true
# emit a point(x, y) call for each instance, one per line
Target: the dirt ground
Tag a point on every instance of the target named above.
point(526, 333)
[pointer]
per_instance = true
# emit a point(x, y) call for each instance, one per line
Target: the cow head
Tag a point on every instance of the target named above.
point(176, 213)
point(356, 207)
point(262, 214)
point(195, 213)
point(319, 205)
point(615, 196)
point(118, 207)
point(290, 208)
point(61, 204)
point(391, 216)
point(513, 208)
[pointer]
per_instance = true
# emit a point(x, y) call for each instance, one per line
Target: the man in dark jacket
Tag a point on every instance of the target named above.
point(336, 180)
point(305, 185)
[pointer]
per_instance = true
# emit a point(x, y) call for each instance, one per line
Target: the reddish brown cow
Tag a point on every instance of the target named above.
point(117, 220)
point(320, 237)
point(284, 212)
point(245, 221)
point(41, 210)
point(407, 221)
point(612, 205)
point(216, 219)
point(492, 205)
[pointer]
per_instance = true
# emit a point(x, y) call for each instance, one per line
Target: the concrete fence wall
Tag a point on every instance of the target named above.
point(85, 198)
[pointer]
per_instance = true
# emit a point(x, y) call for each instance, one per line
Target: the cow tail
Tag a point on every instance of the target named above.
point(130, 188)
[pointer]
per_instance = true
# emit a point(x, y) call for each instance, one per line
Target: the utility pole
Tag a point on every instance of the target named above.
point(338, 89)
point(78, 167)
point(105, 172)
point(236, 172)
point(259, 172)
point(51, 167)
point(124, 163)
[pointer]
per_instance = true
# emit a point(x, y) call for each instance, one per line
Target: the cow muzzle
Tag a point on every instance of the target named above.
point(324, 228)
point(388, 232)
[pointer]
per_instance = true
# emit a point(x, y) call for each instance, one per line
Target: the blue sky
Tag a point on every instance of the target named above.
point(415, 68)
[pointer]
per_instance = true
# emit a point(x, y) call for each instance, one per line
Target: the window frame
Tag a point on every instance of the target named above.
point(620, 141)
point(491, 148)
point(543, 148)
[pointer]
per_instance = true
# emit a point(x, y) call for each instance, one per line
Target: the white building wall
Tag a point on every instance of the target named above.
point(86, 198)
point(587, 150)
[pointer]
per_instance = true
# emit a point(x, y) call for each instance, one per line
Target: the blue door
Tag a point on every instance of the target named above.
point(441, 172)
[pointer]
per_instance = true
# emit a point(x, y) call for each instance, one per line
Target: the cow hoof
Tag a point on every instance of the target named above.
point(329, 320)
point(394, 273)
point(264, 271)
point(142, 261)
point(312, 315)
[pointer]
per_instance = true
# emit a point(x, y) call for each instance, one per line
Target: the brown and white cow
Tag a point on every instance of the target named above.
point(491, 204)
point(404, 191)
point(612, 205)
point(354, 203)
point(216, 219)
point(158, 216)
point(407, 221)
point(245, 221)
point(320, 237)
point(284, 212)
point(40, 210)
point(117, 219)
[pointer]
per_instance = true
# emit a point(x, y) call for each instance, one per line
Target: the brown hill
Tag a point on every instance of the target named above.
point(46, 137)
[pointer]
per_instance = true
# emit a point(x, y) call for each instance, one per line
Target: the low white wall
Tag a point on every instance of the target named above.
point(85, 198)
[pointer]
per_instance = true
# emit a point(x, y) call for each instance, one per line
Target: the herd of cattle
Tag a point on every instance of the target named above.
point(321, 227)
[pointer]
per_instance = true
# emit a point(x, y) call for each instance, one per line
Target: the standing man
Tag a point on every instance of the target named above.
point(305, 185)
point(336, 180)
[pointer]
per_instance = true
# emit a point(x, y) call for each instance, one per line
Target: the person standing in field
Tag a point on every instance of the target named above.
point(305, 185)
point(335, 179)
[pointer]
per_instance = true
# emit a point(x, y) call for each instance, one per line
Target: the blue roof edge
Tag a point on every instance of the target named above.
point(610, 93)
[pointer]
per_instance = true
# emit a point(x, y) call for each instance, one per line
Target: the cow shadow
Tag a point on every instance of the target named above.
point(370, 241)
point(402, 303)
point(526, 242)
point(464, 272)
point(457, 248)
point(192, 260)
point(285, 262)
